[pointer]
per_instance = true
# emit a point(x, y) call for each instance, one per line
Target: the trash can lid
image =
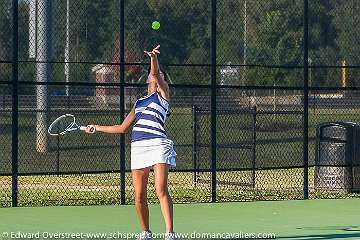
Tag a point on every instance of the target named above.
point(352, 124)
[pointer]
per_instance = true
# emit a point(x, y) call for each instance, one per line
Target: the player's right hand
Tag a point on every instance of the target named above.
point(91, 129)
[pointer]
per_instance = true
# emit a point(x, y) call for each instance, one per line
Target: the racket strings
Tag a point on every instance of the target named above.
point(62, 125)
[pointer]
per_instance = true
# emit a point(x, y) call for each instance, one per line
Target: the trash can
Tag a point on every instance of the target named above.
point(337, 157)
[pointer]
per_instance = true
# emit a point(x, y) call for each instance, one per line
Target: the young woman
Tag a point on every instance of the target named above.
point(150, 146)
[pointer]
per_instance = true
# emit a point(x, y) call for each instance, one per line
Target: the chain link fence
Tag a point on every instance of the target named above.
point(251, 84)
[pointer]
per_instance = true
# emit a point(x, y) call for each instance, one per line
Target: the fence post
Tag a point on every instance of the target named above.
point(43, 72)
point(306, 100)
point(122, 100)
point(254, 149)
point(15, 109)
point(213, 100)
point(194, 143)
point(58, 155)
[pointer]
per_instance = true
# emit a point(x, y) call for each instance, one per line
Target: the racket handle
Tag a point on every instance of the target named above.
point(82, 128)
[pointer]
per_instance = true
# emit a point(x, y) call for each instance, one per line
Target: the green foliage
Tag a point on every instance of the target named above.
point(5, 26)
point(346, 21)
point(274, 36)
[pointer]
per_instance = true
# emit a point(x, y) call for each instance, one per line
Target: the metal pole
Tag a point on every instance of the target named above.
point(67, 54)
point(313, 101)
point(245, 42)
point(58, 155)
point(32, 28)
point(14, 137)
point(122, 100)
point(306, 101)
point(310, 72)
point(213, 100)
point(43, 72)
point(194, 143)
point(254, 149)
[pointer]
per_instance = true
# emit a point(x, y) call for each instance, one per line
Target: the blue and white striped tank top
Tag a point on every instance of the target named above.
point(150, 117)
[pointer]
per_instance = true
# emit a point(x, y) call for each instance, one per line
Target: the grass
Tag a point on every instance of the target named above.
point(103, 189)
point(80, 152)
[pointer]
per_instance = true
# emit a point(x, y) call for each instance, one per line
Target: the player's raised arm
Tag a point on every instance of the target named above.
point(156, 74)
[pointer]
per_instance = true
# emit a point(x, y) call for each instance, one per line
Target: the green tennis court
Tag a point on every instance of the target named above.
point(304, 219)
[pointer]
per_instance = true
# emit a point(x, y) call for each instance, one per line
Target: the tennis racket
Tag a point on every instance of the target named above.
point(64, 124)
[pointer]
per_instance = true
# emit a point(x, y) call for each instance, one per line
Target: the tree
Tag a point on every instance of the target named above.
point(275, 38)
point(346, 21)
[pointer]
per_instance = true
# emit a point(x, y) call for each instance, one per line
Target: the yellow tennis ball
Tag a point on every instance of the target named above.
point(155, 25)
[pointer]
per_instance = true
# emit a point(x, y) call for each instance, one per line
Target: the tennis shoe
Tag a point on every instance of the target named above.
point(170, 236)
point(145, 235)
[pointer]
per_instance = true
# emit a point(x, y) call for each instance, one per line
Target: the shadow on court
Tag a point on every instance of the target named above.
point(323, 236)
point(348, 232)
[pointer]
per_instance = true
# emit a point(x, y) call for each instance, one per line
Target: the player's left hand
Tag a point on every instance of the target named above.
point(154, 52)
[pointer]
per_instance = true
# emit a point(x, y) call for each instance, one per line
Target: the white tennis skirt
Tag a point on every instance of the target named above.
point(147, 153)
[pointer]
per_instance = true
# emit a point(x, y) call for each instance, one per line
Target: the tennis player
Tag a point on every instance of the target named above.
point(150, 146)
